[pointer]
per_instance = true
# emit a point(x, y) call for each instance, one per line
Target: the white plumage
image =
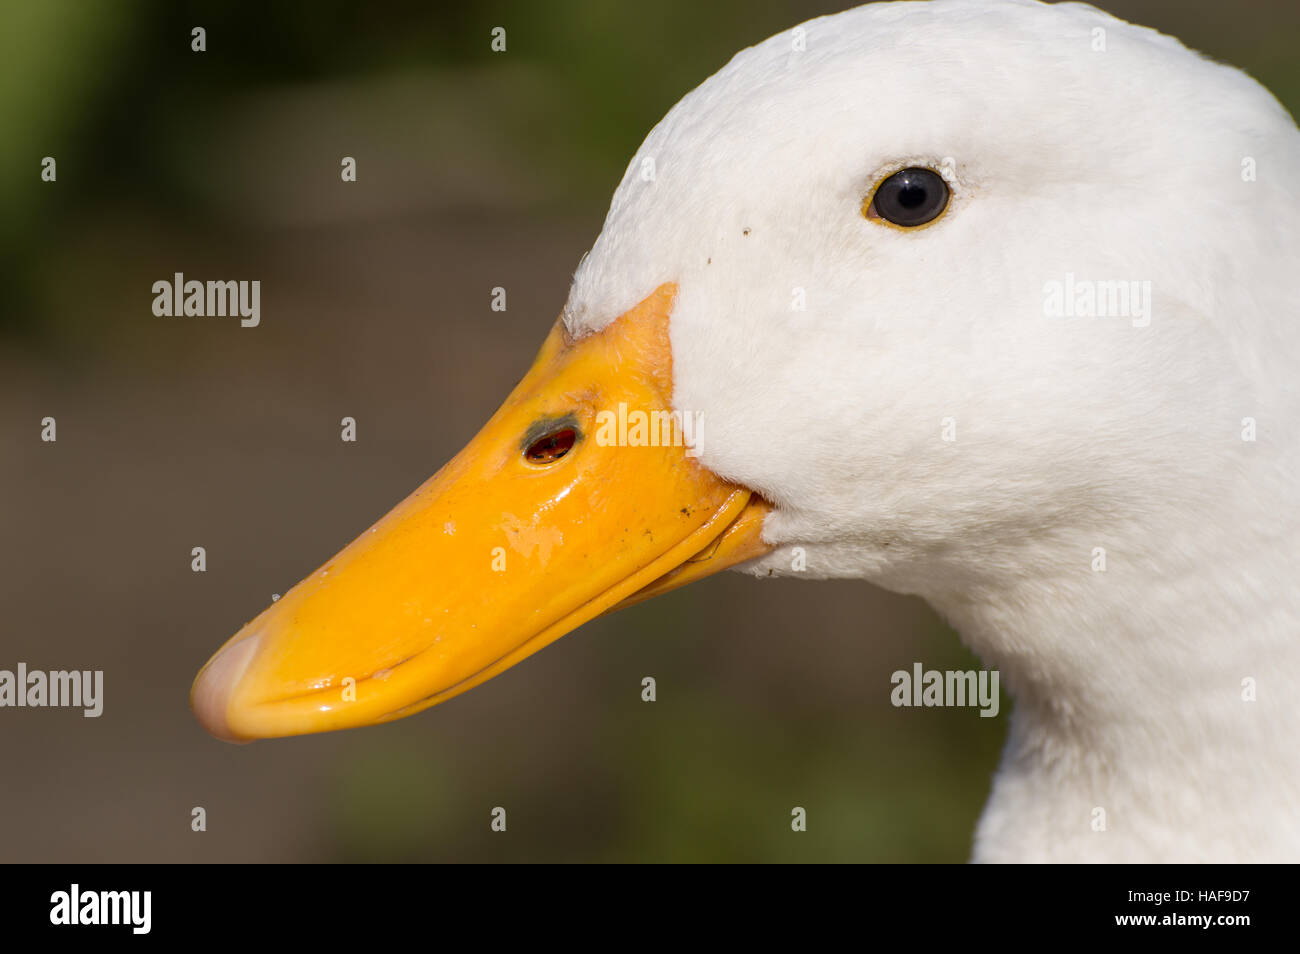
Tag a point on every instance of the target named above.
point(1081, 146)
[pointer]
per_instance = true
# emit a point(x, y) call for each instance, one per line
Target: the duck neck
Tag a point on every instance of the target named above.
point(1154, 714)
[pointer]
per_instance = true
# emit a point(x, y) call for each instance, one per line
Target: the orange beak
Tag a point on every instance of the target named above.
point(580, 495)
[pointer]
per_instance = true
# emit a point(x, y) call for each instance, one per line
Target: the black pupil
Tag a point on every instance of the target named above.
point(911, 197)
point(551, 447)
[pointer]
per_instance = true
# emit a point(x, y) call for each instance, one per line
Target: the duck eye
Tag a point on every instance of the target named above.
point(551, 446)
point(909, 198)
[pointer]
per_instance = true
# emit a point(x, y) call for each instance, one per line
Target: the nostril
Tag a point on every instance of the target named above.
point(551, 447)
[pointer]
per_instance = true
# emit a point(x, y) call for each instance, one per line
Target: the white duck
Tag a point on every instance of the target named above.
point(1104, 507)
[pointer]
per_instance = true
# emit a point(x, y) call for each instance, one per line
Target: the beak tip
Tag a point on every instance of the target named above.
point(215, 685)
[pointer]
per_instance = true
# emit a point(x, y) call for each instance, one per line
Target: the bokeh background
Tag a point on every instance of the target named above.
point(476, 169)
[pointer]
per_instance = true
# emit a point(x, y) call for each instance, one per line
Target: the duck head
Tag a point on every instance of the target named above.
point(836, 325)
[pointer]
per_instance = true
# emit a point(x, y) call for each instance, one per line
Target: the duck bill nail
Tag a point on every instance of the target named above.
point(580, 495)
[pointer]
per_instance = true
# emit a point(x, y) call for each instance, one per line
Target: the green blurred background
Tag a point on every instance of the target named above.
point(475, 169)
